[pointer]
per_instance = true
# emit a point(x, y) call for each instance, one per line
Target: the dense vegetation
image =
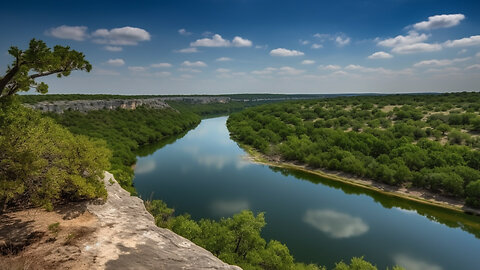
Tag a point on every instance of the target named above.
point(428, 141)
point(41, 162)
point(237, 240)
point(125, 131)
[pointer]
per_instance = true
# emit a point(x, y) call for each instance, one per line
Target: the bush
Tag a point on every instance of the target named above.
point(42, 162)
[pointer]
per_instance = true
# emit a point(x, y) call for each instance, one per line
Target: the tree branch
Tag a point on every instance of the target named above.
point(8, 77)
point(33, 76)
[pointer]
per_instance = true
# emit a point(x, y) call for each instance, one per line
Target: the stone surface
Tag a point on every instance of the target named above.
point(127, 238)
point(110, 104)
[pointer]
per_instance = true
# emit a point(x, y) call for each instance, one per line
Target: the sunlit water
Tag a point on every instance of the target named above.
point(206, 174)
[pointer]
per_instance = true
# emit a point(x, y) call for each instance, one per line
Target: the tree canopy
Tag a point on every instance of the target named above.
point(39, 61)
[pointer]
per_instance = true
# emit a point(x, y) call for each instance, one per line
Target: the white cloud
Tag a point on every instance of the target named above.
point(222, 70)
point(304, 42)
point(194, 64)
point(462, 51)
point(443, 70)
point(241, 42)
point(308, 62)
point(137, 68)
point(218, 41)
point(417, 47)
point(192, 70)
point(464, 42)
point(329, 67)
point(442, 62)
point(121, 36)
point(265, 71)
point(161, 65)
point(380, 55)
point(223, 59)
point(322, 36)
point(476, 66)
point(116, 62)
point(290, 71)
point(411, 38)
point(335, 224)
point(113, 48)
point(411, 263)
point(184, 32)
point(478, 54)
point(188, 50)
point(78, 33)
point(285, 52)
point(186, 76)
point(215, 41)
point(439, 21)
point(316, 46)
point(342, 41)
point(162, 74)
point(379, 70)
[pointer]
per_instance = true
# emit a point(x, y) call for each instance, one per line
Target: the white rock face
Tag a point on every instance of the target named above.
point(129, 239)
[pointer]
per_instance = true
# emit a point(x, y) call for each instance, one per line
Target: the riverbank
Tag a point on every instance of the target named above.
point(408, 193)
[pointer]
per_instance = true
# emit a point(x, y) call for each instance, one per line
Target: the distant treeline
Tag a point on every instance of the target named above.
point(428, 141)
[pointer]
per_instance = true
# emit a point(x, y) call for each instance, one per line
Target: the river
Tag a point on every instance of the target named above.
point(207, 174)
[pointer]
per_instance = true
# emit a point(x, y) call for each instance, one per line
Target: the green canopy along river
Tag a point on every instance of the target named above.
point(208, 175)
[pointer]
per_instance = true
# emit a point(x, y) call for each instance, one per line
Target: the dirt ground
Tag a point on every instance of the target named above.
point(37, 239)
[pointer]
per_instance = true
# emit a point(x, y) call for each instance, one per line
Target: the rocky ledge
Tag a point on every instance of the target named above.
point(111, 104)
point(127, 238)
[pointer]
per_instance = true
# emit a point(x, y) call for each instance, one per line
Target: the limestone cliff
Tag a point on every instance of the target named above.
point(110, 104)
point(127, 238)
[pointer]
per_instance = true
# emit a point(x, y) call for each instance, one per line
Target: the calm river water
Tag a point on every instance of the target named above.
point(205, 173)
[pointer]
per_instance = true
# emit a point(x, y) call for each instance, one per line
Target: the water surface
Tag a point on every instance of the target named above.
point(206, 174)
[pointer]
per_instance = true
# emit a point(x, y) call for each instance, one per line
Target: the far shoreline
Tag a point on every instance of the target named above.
point(412, 194)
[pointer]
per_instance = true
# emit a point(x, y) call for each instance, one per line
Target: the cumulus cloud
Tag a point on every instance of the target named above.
point(342, 41)
point(241, 42)
point(475, 66)
point(316, 46)
point(137, 68)
point(121, 36)
point(105, 72)
point(113, 48)
point(161, 65)
point(380, 55)
point(192, 70)
point(223, 59)
point(400, 40)
point(380, 70)
point(478, 54)
point(308, 62)
point(304, 42)
point(439, 21)
point(194, 64)
point(188, 50)
point(78, 33)
point(464, 42)
point(265, 71)
point(116, 62)
point(441, 62)
point(290, 71)
point(417, 47)
point(329, 67)
point(222, 70)
point(184, 32)
point(162, 74)
point(335, 224)
point(285, 52)
point(218, 41)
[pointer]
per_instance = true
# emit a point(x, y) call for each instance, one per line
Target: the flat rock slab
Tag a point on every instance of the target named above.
point(127, 238)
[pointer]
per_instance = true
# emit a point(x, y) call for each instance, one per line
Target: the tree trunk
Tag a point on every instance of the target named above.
point(8, 77)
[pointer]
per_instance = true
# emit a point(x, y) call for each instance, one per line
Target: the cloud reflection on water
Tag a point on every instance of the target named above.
point(146, 166)
point(335, 224)
point(412, 263)
point(228, 208)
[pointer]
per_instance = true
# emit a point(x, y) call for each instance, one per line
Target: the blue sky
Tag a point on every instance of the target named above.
point(256, 46)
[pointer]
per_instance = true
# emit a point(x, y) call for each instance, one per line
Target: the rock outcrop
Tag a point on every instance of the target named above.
point(127, 238)
point(110, 104)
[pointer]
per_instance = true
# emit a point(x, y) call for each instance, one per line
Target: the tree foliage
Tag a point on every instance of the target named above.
point(42, 162)
point(417, 140)
point(39, 61)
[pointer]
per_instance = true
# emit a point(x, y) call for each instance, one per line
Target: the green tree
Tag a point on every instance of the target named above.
point(39, 61)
